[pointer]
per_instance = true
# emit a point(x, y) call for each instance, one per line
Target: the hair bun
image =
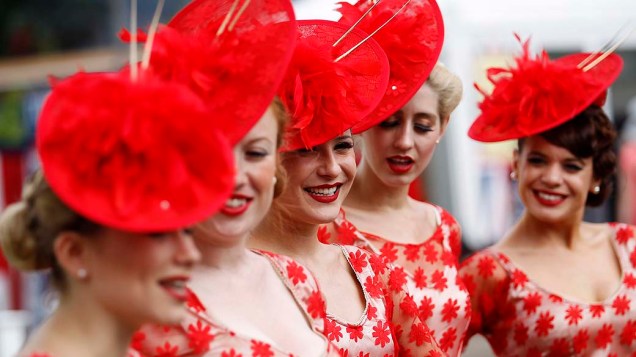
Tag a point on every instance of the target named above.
point(18, 244)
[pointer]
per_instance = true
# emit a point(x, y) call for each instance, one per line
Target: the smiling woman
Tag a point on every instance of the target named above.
point(535, 292)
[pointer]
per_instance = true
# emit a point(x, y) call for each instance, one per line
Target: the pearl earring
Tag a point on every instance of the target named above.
point(596, 189)
point(513, 175)
point(274, 180)
point(437, 141)
point(82, 273)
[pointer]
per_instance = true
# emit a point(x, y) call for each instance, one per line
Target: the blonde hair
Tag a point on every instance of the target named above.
point(282, 118)
point(448, 87)
point(29, 227)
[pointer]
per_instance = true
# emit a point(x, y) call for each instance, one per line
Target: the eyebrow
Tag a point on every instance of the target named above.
point(423, 115)
point(569, 159)
point(343, 137)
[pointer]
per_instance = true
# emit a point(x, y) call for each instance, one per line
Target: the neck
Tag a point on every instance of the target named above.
point(230, 254)
point(370, 193)
point(562, 233)
point(81, 326)
point(280, 233)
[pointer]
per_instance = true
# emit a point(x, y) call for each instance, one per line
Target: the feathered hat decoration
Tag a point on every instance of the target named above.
point(411, 32)
point(330, 87)
point(233, 53)
point(537, 93)
point(132, 151)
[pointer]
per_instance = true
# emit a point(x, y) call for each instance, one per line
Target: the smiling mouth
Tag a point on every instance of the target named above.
point(175, 287)
point(236, 205)
point(400, 164)
point(324, 193)
point(549, 199)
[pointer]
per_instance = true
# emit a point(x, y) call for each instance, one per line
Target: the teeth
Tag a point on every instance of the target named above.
point(401, 161)
point(235, 202)
point(549, 197)
point(323, 191)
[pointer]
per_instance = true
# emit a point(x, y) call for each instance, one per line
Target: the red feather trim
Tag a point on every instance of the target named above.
point(113, 154)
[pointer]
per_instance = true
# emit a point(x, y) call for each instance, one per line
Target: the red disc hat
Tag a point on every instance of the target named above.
point(328, 89)
point(412, 40)
point(538, 94)
point(232, 53)
point(139, 156)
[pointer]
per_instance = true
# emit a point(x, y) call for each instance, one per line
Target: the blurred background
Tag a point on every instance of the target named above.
point(41, 38)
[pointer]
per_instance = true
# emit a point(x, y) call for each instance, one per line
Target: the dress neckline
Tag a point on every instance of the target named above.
point(509, 266)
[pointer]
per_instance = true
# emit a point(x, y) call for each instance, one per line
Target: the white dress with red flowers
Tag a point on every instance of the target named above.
point(429, 271)
point(199, 335)
point(519, 318)
point(390, 325)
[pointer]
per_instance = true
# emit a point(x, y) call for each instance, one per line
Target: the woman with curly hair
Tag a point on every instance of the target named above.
point(555, 284)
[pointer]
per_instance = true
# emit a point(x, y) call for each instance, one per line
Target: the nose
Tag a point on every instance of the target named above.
point(553, 176)
point(240, 177)
point(187, 253)
point(404, 136)
point(329, 166)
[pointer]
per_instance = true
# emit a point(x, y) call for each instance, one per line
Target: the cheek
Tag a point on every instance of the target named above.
point(376, 142)
point(426, 147)
point(262, 175)
point(348, 165)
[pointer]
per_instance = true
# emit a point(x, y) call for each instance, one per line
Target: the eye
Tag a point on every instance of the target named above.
point(189, 231)
point(158, 235)
point(572, 167)
point(256, 153)
point(535, 160)
point(344, 145)
point(421, 128)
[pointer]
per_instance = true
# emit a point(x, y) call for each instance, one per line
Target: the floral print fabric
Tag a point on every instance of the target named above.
point(519, 318)
point(199, 335)
point(429, 271)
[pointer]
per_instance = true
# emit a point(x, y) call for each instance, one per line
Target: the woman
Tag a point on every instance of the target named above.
point(240, 303)
point(256, 310)
point(422, 240)
point(398, 141)
point(108, 215)
point(535, 292)
point(366, 313)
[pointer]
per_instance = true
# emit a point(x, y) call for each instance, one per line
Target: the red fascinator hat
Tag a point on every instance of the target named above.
point(328, 89)
point(231, 53)
point(538, 94)
point(139, 156)
point(411, 32)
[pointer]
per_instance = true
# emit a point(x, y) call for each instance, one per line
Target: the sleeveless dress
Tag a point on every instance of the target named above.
point(428, 270)
point(520, 318)
point(200, 335)
point(389, 325)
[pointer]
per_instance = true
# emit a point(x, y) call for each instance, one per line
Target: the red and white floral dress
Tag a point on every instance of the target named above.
point(519, 318)
point(429, 271)
point(199, 335)
point(389, 325)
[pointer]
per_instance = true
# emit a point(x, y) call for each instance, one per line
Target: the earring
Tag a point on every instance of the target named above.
point(513, 175)
point(437, 141)
point(274, 180)
point(596, 189)
point(82, 273)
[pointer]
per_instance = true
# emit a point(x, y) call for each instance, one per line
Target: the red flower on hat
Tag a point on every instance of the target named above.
point(326, 97)
point(115, 156)
point(537, 94)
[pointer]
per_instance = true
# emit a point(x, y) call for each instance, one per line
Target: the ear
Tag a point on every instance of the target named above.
point(515, 161)
point(72, 253)
point(443, 124)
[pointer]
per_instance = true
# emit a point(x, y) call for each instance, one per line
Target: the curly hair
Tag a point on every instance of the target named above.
point(590, 134)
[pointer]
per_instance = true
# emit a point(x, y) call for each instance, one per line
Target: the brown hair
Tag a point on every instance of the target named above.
point(29, 227)
point(448, 87)
point(589, 134)
point(282, 118)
